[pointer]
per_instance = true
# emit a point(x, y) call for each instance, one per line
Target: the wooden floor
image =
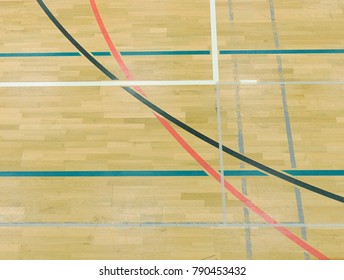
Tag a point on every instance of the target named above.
point(165, 205)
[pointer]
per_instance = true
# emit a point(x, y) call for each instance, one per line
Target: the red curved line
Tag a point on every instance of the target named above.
point(211, 171)
point(112, 47)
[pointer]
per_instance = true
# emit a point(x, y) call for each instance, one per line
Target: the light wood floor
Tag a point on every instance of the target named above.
point(105, 129)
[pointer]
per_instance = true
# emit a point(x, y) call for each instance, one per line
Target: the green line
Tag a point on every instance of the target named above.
point(324, 173)
point(41, 54)
point(124, 53)
point(162, 173)
point(180, 52)
point(279, 51)
point(146, 53)
point(248, 173)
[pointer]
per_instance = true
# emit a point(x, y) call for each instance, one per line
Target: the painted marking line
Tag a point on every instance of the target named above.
point(287, 83)
point(161, 53)
point(129, 76)
point(171, 53)
point(41, 54)
point(131, 83)
point(287, 121)
point(116, 83)
point(123, 53)
point(171, 225)
point(248, 82)
point(164, 173)
point(300, 172)
point(279, 51)
point(242, 165)
point(216, 78)
point(241, 145)
point(222, 172)
point(214, 48)
point(159, 112)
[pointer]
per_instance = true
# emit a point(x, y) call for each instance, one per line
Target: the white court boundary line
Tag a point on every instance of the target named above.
point(124, 83)
point(214, 47)
point(216, 79)
point(157, 83)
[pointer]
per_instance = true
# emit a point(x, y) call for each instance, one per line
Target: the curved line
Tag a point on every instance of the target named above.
point(191, 151)
point(113, 48)
point(184, 126)
point(215, 174)
point(129, 76)
point(110, 44)
point(233, 153)
point(248, 203)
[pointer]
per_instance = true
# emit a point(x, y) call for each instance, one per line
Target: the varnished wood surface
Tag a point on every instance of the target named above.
point(103, 128)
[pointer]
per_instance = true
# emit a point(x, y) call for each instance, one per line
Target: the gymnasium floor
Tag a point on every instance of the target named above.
point(229, 145)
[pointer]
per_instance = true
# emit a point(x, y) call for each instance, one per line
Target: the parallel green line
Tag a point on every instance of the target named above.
point(163, 173)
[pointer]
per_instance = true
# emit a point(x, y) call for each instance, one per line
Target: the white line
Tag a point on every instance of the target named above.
point(216, 78)
point(254, 82)
point(107, 83)
point(214, 48)
point(155, 83)
point(287, 83)
point(172, 225)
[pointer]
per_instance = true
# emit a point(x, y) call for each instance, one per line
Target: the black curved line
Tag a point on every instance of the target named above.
point(184, 126)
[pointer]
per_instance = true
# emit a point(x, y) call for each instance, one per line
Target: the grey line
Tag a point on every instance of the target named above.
point(230, 10)
point(287, 123)
point(286, 114)
point(222, 172)
point(273, 22)
point(242, 165)
point(248, 241)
